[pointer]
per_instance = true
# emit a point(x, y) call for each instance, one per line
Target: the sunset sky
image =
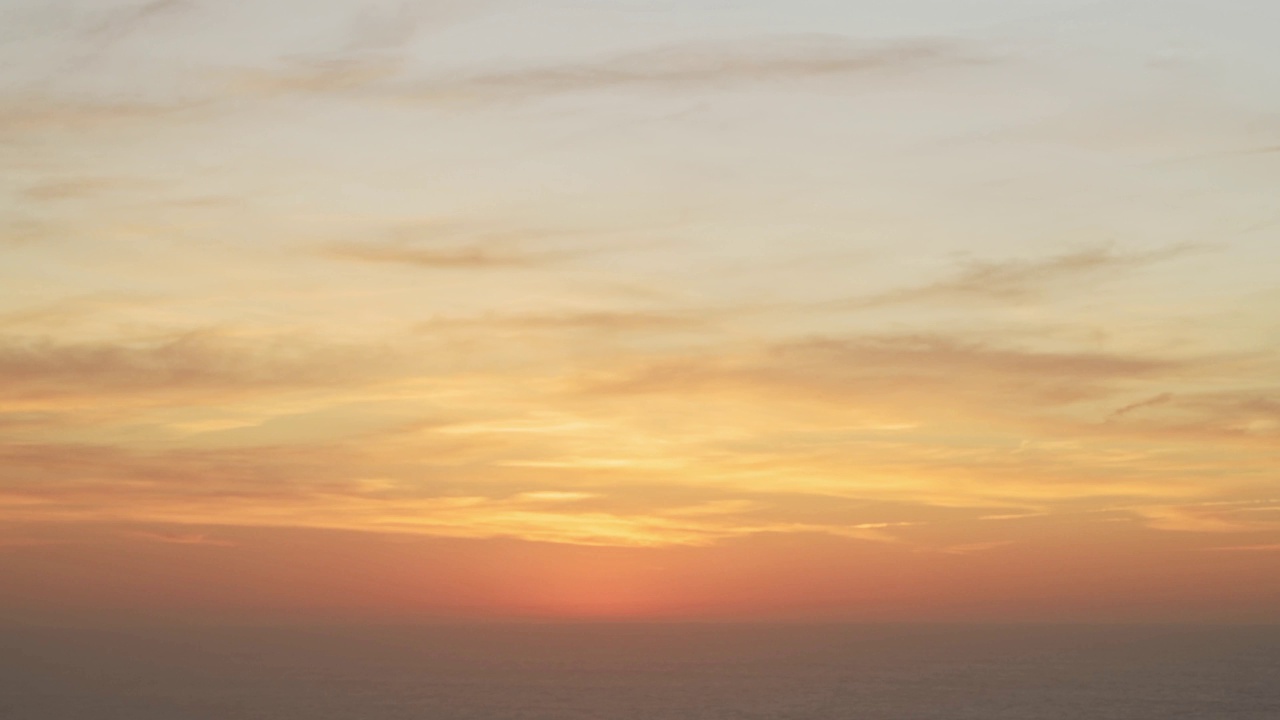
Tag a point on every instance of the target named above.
point(640, 309)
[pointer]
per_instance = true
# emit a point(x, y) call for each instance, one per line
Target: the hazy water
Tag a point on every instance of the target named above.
point(644, 672)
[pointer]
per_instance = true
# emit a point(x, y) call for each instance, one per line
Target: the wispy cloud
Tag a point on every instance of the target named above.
point(973, 548)
point(473, 257)
point(194, 361)
point(704, 65)
point(1161, 399)
point(261, 488)
point(317, 75)
point(24, 231)
point(17, 543)
point(393, 27)
point(1238, 414)
point(372, 54)
point(93, 33)
point(120, 22)
point(72, 188)
point(26, 117)
point(1017, 280)
point(457, 245)
point(600, 321)
point(180, 538)
point(68, 310)
point(1216, 517)
point(944, 368)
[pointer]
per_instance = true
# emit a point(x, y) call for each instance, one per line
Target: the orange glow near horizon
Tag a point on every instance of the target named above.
point(675, 312)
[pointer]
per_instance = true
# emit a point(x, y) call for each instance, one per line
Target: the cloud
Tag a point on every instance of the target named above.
point(25, 542)
point(179, 539)
point(193, 361)
point(1248, 548)
point(24, 232)
point(1244, 152)
point(21, 118)
point(12, 420)
point(1014, 516)
point(1238, 414)
point(73, 188)
point(704, 65)
point(373, 51)
point(1215, 517)
point(310, 488)
point(941, 368)
point(69, 310)
point(317, 75)
point(971, 548)
point(1161, 399)
point(599, 321)
point(128, 19)
point(365, 67)
point(454, 245)
point(555, 496)
point(92, 32)
point(473, 257)
point(381, 29)
point(1016, 280)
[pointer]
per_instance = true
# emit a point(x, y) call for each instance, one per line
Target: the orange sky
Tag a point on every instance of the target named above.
point(904, 311)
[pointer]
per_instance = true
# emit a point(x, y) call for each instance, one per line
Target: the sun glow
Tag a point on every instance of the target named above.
point(661, 309)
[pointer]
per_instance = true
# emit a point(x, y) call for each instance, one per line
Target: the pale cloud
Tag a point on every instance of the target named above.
point(22, 119)
point(1222, 517)
point(588, 320)
point(174, 489)
point(120, 22)
point(711, 65)
point(1013, 516)
point(972, 548)
point(195, 361)
point(73, 188)
point(457, 245)
point(394, 26)
point(1248, 548)
point(463, 258)
point(179, 538)
point(700, 65)
point(948, 369)
point(19, 543)
point(25, 231)
point(555, 496)
point(1019, 280)
point(60, 313)
point(317, 75)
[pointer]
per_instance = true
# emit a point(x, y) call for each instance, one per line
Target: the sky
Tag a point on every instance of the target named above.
point(889, 310)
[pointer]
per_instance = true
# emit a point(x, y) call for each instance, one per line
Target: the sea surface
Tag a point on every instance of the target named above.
point(643, 672)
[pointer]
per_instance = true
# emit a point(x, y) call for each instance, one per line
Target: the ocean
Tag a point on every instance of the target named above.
point(643, 672)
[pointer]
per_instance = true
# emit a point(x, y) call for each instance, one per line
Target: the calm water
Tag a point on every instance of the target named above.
point(642, 672)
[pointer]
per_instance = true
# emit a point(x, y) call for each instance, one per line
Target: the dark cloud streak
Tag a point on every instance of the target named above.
point(1160, 399)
